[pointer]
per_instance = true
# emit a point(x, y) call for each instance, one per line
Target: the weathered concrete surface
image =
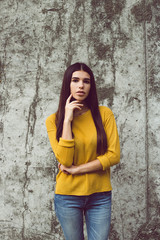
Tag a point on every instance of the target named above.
point(120, 41)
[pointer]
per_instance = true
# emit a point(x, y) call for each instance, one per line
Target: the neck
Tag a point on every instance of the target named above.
point(84, 109)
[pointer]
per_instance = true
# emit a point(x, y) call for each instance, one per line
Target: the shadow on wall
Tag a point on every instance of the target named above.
point(149, 231)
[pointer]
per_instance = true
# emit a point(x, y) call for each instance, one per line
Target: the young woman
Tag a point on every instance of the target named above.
point(85, 141)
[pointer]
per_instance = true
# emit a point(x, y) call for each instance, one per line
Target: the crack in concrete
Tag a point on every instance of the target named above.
point(32, 117)
point(3, 65)
point(112, 58)
point(69, 53)
point(2, 97)
point(121, 216)
point(84, 10)
point(52, 216)
point(146, 119)
point(77, 7)
point(24, 199)
point(51, 10)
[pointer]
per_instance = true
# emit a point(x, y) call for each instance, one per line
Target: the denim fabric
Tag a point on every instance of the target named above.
point(97, 211)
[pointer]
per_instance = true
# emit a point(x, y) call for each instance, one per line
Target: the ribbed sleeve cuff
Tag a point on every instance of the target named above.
point(66, 143)
point(103, 161)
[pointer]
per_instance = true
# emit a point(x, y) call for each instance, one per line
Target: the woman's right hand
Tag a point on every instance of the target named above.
point(70, 107)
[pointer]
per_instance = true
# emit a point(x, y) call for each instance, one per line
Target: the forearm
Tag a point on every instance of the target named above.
point(68, 118)
point(64, 148)
point(67, 131)
point(92, 166)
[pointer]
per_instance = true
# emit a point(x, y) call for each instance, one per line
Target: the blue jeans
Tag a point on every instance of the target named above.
point(97, 211)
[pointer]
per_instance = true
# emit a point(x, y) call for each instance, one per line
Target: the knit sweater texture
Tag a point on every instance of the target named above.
point(82, 149)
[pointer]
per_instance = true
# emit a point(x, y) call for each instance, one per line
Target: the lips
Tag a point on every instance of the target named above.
point(80, 93)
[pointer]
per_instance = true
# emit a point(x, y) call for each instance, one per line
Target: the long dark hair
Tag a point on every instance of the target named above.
point(91, 101)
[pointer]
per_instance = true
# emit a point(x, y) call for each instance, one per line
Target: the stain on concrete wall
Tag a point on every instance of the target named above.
point(120, 42)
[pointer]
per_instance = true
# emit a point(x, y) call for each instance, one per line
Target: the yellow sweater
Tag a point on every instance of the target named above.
point(82, 149)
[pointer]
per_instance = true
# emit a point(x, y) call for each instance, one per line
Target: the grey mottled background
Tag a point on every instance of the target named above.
point(120, 41)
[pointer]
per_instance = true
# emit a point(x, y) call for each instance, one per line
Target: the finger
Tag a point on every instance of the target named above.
point(76, 103)
point(75, 106)
point(66, 172)
point(63, 169)
point(69, 98)
point(59, 165)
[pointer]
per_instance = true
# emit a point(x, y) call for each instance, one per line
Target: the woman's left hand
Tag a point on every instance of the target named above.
point(68, 170)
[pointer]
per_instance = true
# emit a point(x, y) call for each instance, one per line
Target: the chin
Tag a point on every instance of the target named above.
point(80, 99)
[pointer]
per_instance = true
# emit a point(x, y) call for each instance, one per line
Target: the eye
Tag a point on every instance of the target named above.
point(74, 80)
point(87, 81)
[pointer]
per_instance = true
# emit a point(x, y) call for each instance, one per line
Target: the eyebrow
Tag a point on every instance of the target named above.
point(79, 78)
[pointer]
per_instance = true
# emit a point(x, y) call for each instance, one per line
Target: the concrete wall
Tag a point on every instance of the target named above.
point(119, 40)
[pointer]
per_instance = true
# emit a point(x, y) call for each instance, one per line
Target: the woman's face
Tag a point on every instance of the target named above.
point(80, 85)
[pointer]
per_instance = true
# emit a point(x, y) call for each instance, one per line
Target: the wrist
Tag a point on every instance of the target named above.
point(79, 169)
point(67, 121)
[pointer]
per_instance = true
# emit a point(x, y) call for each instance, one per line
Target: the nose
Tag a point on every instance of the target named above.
point(81, 85)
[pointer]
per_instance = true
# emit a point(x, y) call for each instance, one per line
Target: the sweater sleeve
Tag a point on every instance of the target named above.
point(112, 155)
point(64, 149)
